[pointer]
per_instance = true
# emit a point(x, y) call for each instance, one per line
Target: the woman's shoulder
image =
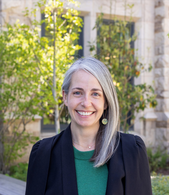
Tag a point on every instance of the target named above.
point(131, 141)
point(45, 143)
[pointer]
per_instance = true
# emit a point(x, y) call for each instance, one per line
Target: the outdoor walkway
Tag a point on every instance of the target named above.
point(11, 186)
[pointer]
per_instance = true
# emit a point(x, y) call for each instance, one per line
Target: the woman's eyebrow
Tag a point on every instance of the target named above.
point(96, 89)
point(77, 88)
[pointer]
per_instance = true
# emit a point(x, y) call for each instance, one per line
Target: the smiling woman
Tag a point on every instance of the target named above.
point(91, 156)
point(86, 104)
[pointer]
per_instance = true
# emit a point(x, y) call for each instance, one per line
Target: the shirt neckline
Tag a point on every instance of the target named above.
point(82, 155)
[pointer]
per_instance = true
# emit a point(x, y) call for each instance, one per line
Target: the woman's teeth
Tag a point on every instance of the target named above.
point(85, 113)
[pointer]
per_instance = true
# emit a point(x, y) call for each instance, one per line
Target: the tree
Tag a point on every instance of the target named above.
point(60, 47)
point(26, 72)
point(17, 96)
point(113, 48)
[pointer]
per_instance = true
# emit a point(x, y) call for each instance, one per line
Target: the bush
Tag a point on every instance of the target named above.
point(157, 159)
point(19, 171)
point(160, 185)
point(114, 47)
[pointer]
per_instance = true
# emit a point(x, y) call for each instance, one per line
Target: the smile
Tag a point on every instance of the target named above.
point(85, 113)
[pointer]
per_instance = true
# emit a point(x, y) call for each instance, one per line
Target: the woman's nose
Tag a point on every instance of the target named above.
point(86, 102)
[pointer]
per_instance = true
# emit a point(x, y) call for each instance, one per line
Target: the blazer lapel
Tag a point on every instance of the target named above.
point(68, 164)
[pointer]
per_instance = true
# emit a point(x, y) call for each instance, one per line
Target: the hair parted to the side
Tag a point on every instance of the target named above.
point(106, 136)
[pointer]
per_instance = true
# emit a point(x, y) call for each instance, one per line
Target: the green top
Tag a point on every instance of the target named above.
point(90, 180)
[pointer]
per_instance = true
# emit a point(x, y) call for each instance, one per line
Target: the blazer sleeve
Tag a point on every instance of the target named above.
point(39, 165)
point(30, 173)
point(144, 172)
point(144, 185)
point(137, 180)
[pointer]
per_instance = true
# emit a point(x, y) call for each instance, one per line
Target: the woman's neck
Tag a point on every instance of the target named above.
point(83, 139)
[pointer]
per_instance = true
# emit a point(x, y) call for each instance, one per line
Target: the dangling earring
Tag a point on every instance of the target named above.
point(104, 120)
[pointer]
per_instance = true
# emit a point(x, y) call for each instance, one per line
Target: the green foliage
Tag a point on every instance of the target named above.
point(19, 171)
point(160, 185)
point(157, 159)
point(15, 146)
point(26, 71)
point(113, 48)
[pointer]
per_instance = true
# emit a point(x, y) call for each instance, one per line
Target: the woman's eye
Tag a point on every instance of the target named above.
point(77, 93)
point(96, 94)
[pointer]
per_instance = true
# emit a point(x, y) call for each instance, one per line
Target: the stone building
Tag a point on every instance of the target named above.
point(151, 22)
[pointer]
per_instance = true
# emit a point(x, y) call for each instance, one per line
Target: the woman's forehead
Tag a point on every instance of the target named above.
point(82, 78)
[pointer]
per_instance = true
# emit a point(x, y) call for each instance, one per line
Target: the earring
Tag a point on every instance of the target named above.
point(104, 120)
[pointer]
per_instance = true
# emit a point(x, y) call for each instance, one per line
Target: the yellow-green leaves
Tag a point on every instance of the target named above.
point(115, 49)
point(26, 64)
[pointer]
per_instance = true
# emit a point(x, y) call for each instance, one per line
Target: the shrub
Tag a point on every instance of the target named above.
point(160, 185)
point(19, 171)
point(157, 159)
point(113, 47)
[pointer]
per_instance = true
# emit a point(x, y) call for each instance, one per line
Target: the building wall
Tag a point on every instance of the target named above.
point(161, 69)
point(151, 19)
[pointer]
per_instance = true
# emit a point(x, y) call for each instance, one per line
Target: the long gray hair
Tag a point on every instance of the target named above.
point(106, 139)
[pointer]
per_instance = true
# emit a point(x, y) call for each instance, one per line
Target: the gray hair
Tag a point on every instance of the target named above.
point(106, 138)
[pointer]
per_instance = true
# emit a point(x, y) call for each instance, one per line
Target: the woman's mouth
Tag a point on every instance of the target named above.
point(84, 113)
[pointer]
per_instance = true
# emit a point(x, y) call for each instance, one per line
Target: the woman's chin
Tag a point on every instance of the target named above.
point(85, 124)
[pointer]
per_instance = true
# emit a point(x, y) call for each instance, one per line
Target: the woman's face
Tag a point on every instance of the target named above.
point(85, 100)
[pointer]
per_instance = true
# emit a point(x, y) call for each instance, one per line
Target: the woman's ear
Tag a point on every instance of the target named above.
point(105, 104)
point(64, 97)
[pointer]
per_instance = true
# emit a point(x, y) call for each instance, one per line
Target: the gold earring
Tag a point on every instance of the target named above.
point(104, 117)
point(104, 121)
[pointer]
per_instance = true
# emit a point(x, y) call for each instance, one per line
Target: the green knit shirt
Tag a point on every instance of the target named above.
point(90, 180)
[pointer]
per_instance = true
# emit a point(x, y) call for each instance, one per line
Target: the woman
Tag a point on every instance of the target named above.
point(90, 157)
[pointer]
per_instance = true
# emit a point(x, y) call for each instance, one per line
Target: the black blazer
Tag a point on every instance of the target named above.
point(52, 171)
